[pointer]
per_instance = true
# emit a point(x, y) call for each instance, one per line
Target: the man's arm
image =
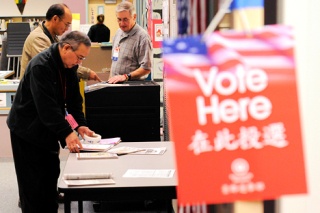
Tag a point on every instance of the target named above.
point(87, 74)
point(137, 74)
point(144, 60)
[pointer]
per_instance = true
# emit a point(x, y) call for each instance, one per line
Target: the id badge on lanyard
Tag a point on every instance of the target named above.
point(116, 54)
point(72, 122)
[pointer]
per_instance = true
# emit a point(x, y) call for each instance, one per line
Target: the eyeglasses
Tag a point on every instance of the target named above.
point(66, 24)
point(125, 20)
point(79, 57)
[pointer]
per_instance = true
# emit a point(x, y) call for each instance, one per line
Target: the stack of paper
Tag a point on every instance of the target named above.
point(123, 150)
point(82, 179)
point(96, 147)
point(103, 146)
point(111, 141)
point(96, 155)
point(151, 151)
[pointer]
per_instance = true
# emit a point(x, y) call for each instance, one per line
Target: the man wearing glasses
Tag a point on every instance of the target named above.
point(47, 95)
point(58, 21)
point(131, 49)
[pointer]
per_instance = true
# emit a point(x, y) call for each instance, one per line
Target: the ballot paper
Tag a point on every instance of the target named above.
point(150, 151)
point(81, 179)
point(96, 155)
point(123, 150)
point(96, 147)
point(149, 173)
point(89, 182)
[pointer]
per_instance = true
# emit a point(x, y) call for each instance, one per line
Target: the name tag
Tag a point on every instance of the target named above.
point(73, 123)
point(115, 54)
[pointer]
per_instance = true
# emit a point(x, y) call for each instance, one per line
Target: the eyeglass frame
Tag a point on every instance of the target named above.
point(125, 20)
point(67, 25)
point(79, 58)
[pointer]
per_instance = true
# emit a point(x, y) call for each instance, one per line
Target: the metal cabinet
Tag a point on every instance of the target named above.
point(130, 111)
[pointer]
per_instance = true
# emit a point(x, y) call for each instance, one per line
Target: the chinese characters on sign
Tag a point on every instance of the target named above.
point(248, 138)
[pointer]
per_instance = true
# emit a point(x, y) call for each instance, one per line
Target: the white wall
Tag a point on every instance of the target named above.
point(38, 7)
point(304, 16)
point(8, 8)
point(32, 8)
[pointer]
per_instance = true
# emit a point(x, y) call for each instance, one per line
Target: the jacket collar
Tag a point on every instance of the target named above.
point(47, 33)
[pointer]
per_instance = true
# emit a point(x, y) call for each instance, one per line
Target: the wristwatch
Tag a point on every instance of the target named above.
point(129, 76)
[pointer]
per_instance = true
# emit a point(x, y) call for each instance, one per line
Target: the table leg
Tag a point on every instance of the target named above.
point(80, 206)
point(169, 206)
point(67, 206)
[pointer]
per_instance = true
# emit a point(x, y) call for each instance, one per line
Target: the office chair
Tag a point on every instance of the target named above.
point(16, 36)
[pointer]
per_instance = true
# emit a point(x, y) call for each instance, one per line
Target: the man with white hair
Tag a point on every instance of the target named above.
point(131, 49)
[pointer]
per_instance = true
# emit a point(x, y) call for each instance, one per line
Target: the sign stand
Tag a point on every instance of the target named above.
point(247, 18)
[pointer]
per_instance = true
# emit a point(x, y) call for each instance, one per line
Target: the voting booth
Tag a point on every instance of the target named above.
point(130, 110)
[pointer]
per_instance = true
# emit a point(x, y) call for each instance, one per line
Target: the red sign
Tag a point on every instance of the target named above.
point(155, 28)
point(234, 116)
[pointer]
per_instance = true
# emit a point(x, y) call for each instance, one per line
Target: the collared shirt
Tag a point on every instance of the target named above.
point(134, 51)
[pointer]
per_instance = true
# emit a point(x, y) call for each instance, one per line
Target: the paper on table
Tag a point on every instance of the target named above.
point(104, 145)
point(96, 147)
point(102, 85)
point(89, 182)
point(149, 173)
point(151, 151)
point(86, 176)
point(96, 155)
point(124, 150)
point(81, 179)
point(110, 140)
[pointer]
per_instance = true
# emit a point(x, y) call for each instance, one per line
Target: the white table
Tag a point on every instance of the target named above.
point(6, 74)
point(125, 188)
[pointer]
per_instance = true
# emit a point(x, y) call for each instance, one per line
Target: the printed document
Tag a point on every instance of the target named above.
point(149, 173)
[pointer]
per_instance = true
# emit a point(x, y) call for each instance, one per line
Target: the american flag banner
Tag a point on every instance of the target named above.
point(233, 113)
point(192, 16)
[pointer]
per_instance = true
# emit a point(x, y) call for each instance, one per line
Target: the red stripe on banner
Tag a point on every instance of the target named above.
point(261, 52)
point(288, 52)
point(198, 17)
point(215, 47)
point(193, 17)
point(268, 34)
point(203, 14)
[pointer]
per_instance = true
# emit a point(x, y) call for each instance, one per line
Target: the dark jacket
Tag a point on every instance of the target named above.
point(38, 112)
point(99, 33)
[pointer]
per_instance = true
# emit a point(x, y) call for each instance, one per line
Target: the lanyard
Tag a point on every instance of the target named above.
point(63, 86)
